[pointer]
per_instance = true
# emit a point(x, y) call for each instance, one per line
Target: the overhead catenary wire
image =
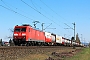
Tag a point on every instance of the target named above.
point(52, 10)
point(43, 9)
point(15, 12)
point(26, 16)
point(40, 13)
point(68, 26)
point(39, 7)
point(55, 13)
point(9, 8)
point(33, 4)
point(7, 4)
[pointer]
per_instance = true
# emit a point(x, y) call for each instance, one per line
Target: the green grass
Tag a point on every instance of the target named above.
point(83, 55)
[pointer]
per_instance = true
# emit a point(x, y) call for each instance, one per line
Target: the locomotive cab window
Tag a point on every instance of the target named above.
point(20, 30)
point(23, 29)
point(17, 30)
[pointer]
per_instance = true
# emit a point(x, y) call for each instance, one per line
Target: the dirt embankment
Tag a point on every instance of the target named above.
point(62, 55)
point(51, 53)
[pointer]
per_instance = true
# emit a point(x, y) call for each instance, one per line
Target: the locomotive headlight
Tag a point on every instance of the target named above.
point(23, 34)
point(15, 34)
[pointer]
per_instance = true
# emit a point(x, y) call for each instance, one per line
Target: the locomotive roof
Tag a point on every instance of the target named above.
point(26, 25)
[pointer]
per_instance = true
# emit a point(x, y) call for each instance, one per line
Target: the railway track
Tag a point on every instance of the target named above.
point(31, 47)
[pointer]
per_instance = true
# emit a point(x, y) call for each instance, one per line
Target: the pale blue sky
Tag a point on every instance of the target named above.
point(57, 12)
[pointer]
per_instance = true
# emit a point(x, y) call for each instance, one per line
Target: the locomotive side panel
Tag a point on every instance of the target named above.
point(33, 32)
point(37, 35)
point(42, 36)
point(28, 33)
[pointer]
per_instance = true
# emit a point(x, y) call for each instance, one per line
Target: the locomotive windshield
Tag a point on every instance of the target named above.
point(23, 29)
point(20, 30)
point(17, 30)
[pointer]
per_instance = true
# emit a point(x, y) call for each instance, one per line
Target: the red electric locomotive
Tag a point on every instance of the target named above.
point(27, 35)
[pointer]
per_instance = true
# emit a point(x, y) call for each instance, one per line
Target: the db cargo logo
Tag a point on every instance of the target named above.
point(57, 38)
